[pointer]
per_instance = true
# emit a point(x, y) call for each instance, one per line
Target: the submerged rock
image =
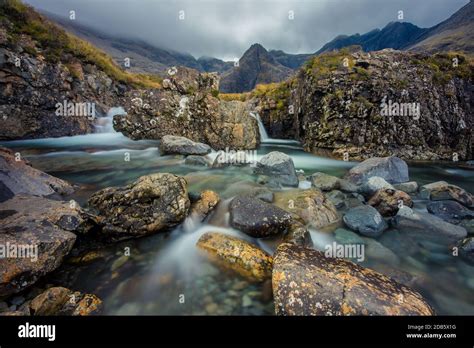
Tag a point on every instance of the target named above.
point(466, 250)
point(441, 190)
point(257, 218)
point(40, 232)
point(428, 226)
point(17, 176)
point(305, 282)
point(366, 220)
point(151, 204)
point(311, 206)
point(202, 161)
point(207, 201)
point(174, 145)
point(388, 201)
point(450, 211)
point(279, 167)
point(62, 301)
point(393, 169)
point(238, 255)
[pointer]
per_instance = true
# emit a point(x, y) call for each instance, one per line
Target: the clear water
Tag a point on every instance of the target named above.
point(166, 274)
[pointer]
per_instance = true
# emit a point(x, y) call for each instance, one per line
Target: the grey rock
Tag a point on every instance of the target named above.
point(279, 167)
point(366, 220)
point(176, 145)
point(195, 160)
point(393, 169)
point(450, 211)
point(409, 187)
point(374, 184)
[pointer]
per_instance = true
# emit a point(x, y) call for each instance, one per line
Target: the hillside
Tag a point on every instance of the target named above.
point(455, 34)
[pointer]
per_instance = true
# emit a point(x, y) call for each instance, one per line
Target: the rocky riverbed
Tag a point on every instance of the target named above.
point(160, 234)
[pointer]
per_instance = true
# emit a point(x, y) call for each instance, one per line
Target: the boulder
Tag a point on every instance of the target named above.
point(344, 236)
point(62, 301)
point(441, 190)
point(310, 206)
point(305, 282)
point(279, 167)
point(388, 201)
point(257, 218)
point(207, 201)
point(41, 231)
point(201, 161)
point(337, 198)
point(428, 227)
point(450, 211)
point(393, 169)
point(366, 220)
point(151, 204)
point(238, 255)
point(409, 187)
point(174, 145)
point(17, 176)
point(374, 184)
point(325, 182)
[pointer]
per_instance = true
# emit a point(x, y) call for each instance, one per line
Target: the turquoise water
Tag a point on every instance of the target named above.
point(166, 274)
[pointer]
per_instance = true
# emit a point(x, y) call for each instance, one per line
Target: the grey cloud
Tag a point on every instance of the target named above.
point(226, 28)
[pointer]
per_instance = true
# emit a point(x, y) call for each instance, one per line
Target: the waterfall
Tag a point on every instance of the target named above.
point(105, 124)
point(261, 128)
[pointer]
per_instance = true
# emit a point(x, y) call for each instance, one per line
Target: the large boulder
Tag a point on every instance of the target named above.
point(393, 169)
point(238, 255)
point(428, 227)
point(388, 201)
point(17, 176)
point(441, 190)
point(305, 282)
point(257, 218)
point(366, 220)
point(279, 167)
point(174, 145)
point(450, 211)
point(188, 106)
point(151, 204)
point(36, 234)
point(311, 206)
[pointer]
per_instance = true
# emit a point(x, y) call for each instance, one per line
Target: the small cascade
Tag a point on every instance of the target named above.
point(261, 128)
point(105, 124)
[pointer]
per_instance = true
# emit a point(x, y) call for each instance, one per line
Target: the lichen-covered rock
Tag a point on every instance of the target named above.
point(393, 169)
point(238, 255)
point(366, 220)
point(62, 301)
point(257, 218)
point(17, 176)
point(207, 201)
point(279, 167)
point(41, 230)
point(388, 201)
point(305, 282)
point(174, 145)
point(187, 106)
point(342, 108)
point(441, 190)
point(151, 204)
point(311, 206)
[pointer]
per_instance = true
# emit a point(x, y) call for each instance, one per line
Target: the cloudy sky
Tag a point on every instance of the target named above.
point(226, 28)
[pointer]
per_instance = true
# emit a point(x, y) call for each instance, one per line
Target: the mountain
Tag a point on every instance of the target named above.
point(396, 35)
point(292, 61)
point(144, 57)
point(256, 66)
point(454, 34)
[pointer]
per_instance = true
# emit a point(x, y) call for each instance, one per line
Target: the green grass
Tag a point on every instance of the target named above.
point(56, 45)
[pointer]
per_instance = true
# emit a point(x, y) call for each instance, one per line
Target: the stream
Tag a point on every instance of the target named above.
point(166, 274)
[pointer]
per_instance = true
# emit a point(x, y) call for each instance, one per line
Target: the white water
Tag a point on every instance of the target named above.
point(105, 124)
point(264, 138)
